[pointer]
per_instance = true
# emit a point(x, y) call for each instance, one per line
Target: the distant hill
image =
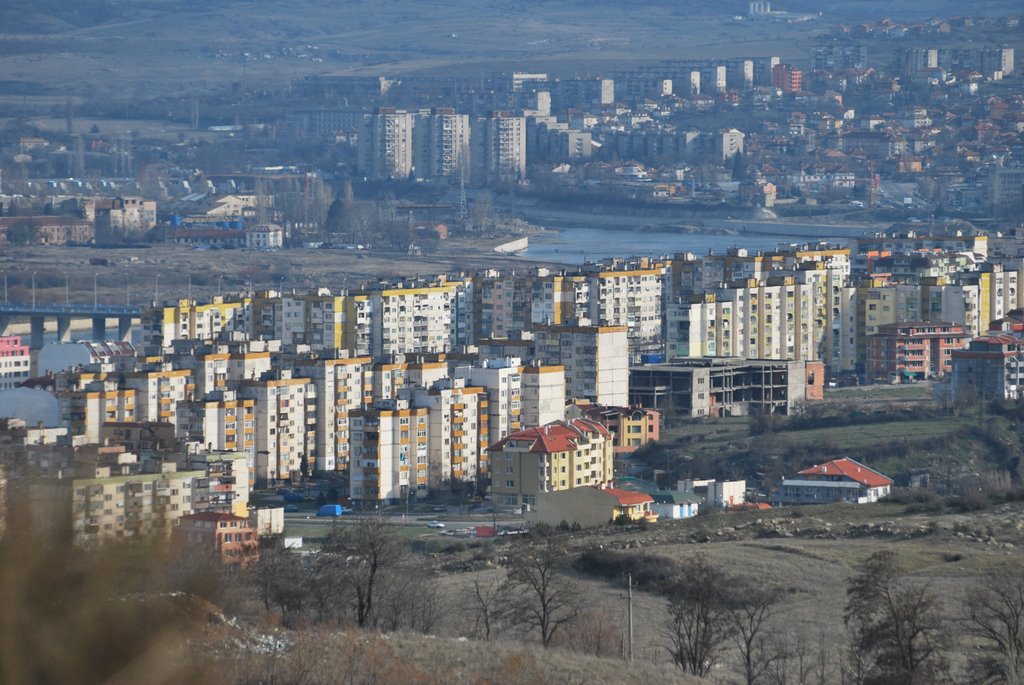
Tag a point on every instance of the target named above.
point(135, 48)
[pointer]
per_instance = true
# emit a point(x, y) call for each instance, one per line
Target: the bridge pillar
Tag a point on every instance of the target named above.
point(99, 328)
point(64, 329)
point(5, 321)
point(124, 328)
point(38, 324)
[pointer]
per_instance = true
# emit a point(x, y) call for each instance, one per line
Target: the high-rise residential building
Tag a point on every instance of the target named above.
point(187, 320)
point(457, 431)
point(104, 501)
point(219, 421)
point(596, 360)
point(912, 350)
point(99, 400)
point(390, 452)
point(502, 380)
point(158, 392)
point(340, 386)
point(386, 144)
point(787, 78)
point(550, 458)
point(413, 319)
point(630, 297)
point(441, 149)
point(282, 425)
point(498, 148)
point(544, 394)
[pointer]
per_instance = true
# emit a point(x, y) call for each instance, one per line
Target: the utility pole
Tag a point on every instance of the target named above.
point(629, 614)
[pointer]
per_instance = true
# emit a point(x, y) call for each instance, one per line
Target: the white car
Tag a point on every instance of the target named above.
point(435, 524)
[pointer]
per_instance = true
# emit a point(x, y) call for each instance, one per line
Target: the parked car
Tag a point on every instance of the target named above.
point(435, 524)
point(291, 508)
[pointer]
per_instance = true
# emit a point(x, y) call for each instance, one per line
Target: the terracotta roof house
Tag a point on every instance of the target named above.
point(839, 480)
point(592, 506)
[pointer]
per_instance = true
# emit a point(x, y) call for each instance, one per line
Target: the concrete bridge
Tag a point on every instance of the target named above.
point(64, 314)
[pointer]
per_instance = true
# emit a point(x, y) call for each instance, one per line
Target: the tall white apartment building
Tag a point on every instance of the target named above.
point(340, 386)
point(281, 427)
point(544, 395)
point(457, 432)
point(596, 360)
point(187, 320)
point(390, 452)
point(409, 320)
point(385, 146)
point(502, 379)
point(631, 298)
point(441, 150)
point(219, 421)
point(498, 148)
point(158, 393)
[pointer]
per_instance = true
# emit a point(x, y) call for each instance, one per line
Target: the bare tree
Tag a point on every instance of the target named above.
point(897, 627)
point(485, 605)
point(698, 623)
point(995, 615)
point(539, 596)
point(750, 613)
point(280, 583)
point(365, 551)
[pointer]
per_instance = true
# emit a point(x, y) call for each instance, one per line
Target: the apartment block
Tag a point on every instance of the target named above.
point(221, 421)
point(498, 148)
point(596, 360)
point(502, 380)
point(386, 144)
point(188, 320)
point(390, 452)
point(441, 150)
point(283, 429)
point(339, 386)
point(544, 394)
point(114, 500)
point(550, 458)
point(458, 431)
point(913, 350)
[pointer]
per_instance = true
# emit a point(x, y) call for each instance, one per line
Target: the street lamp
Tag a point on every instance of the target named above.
point(67, 296)
point(6, 301)
point(95, 291)
point(156, 291)
point(220, 279)
point(33, 288)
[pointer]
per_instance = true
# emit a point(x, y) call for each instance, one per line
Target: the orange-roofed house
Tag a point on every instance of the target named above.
point(590, 507)
point(839, 480)
point(556, 456)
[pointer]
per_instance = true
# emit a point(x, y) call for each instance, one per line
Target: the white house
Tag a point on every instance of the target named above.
point(839, 480)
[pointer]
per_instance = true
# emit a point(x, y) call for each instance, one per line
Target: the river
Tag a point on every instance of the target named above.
point(576, 245)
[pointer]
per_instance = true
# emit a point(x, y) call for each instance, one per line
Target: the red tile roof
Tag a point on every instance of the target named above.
point(560, 436)
point(851, 469)
point(628, 497)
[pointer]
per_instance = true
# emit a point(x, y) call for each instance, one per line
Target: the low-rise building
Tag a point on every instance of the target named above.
point(14, 362)
point(914, 350)
point(839, 480)
point(589, 507)
point(229, 537)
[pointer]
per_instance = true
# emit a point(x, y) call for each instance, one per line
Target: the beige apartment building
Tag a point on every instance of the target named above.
point(390, 452)
point(340, 386)
point(283, 429)
point(596, 360)
point(457, 431)
point(544, 395)
point(118, 500)
point(556, 456)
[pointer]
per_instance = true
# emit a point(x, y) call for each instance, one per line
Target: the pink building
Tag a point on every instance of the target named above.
point(14, 362)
